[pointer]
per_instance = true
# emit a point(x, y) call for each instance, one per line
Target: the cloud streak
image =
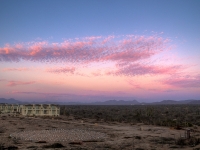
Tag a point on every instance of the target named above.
point(16, 83)
point(62, 70)
point(86, 50)
point(142, 69)
point(184, 81)
point(15, 69)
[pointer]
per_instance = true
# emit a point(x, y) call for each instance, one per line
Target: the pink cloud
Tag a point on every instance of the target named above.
point(62, 70)
point(16, 83)
point(86, 50)
point(143, 69)
point(162, 90)
point(183, 81)
point(93, 38)
point(107, 39)
point(128, 53)
point(134, 85)
point(96, 74)
point(15, 69)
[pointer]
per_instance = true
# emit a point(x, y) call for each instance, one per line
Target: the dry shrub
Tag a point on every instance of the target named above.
point(76, 142)
point(15, 141)
point(91, 141)
point(138, 137)
point(3, 118)
point(107, 146)
point(55, 145)
point(174, 146)
point(41, 142)
point(12, 148)
point(167, 140)
point(1, 146)
point(192, 141)
point(2, 130)
point(33, 147)
point(128, 137)
point(181, 141)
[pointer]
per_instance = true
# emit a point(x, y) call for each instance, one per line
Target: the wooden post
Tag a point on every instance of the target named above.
point(187, 133)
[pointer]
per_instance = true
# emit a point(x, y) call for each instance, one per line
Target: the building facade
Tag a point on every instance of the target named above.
point(31, 109)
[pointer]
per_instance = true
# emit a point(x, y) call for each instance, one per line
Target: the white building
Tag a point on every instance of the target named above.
point(31, 109)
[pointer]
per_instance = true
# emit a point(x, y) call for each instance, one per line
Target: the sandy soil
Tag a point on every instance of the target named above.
point(117, 135)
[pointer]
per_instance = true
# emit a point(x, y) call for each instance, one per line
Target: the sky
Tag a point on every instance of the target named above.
point(86, 51)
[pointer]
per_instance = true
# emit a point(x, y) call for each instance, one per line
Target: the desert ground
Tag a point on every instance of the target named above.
point(66, 132)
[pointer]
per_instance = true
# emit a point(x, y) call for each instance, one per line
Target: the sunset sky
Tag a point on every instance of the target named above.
point(89, 50)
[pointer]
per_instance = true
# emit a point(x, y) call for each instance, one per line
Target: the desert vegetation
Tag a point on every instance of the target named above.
point(161, 115)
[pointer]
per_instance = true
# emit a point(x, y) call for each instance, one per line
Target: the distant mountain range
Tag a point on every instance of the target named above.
point(115, 102)
point(109, 102)
point(171, 102)
point(9, 101)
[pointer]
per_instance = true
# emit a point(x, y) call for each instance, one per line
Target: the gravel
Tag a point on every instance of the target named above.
point(59, 135)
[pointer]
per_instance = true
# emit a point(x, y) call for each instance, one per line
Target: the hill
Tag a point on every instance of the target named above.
point(9, 101)
point(109, 102)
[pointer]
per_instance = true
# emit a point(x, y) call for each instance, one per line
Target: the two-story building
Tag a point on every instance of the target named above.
point(31, 109)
